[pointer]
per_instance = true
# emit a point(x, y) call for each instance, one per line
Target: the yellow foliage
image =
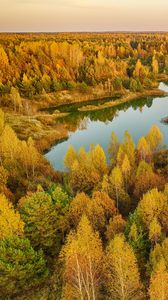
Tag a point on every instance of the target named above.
point(10, 221)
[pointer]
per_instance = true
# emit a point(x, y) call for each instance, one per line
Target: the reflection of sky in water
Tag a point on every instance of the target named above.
point(137, 122)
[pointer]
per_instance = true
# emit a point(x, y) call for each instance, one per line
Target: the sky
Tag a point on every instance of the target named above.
point(83, 15)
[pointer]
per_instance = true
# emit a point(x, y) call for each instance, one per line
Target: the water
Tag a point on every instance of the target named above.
point(95, 127)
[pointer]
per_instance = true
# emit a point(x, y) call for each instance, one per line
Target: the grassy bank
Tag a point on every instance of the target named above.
point(44, 127)
point(129, 97)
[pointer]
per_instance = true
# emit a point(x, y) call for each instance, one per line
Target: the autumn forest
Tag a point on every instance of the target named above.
point(98, 228)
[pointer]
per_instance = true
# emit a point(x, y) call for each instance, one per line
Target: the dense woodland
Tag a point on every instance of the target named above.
point(32, 65)
point(98, 230)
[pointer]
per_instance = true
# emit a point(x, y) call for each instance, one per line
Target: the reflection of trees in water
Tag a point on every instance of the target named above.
point(83, 124)
point(77, 119)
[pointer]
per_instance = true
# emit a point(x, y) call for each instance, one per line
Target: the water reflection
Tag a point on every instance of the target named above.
point(96, 126)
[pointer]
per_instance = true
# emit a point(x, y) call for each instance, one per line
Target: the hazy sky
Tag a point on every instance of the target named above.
point(83, 15)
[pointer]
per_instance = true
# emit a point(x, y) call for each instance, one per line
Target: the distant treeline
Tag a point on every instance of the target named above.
point(38, 63)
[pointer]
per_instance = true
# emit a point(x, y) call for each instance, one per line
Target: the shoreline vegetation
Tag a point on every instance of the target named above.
point(40, 71)
point(125, 99)
point(43, 126)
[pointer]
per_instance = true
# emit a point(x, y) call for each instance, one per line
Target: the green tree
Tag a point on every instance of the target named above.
point(21, 267)
point(41, 219)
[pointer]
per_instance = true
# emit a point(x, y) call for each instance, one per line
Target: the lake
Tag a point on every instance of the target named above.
point(96, 127)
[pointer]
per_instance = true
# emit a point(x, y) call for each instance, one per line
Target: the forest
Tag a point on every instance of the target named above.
point(99, 229)
point(46, 63)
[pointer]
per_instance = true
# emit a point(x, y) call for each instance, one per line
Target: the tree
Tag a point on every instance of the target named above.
point(29, 156)
point(158, 253)
point(143, 149)
point(138, 68)
point(146, 179)
point(129, 147)
point(154, 231)
point(154, 138)
point(4, 61)
point(70, 157)
point(116, 225)
point(33, 155)
point(98, 159)
point(2, 121)
point(126, 169)
point(116, 180)
point(41, 219)
point(82, 258)
point(9, 150)
point(21, 267)
point(151, 206)
point(138, 239)
point(155, 65)
point(98, 209)
point(10, 221)
point(16, 99)
point(120, 155)
point(158, 289)
point(123, 280)
point(113, 147)
point(86, 170)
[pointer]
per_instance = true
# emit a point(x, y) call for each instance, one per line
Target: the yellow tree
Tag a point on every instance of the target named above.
point(78, 207)
point(158, 253)
point(113, 147)
point(159, 282)
point(70, 157)
point(120, 155)
point(33, 155)
point(123, 280)
point(151, 206)
point(146, 179)
point(24, 157)
point(82, 257)
point(143, 149)
point(138, 68)
point(154, 138)
point(2, 121)
point(116, 180)
point(9, 143)
point(116, 225)
point(155, 65)
point(98, 159)
point(82, 155)
point(10, 221)
point(4, 62)
point(126, 169)
point(16, 99)
point(154, 231)
point(29, 156)
point(105, 184)
point(98, 209)
point(129, 147)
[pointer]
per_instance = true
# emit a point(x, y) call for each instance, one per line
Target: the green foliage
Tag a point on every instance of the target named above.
point(41, 220)
point(21, 267)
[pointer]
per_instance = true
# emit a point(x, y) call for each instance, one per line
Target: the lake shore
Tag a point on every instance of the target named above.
point(128, 98)
point(44, 127)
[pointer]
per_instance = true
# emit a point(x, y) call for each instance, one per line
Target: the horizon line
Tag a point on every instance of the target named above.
point(83, 31)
